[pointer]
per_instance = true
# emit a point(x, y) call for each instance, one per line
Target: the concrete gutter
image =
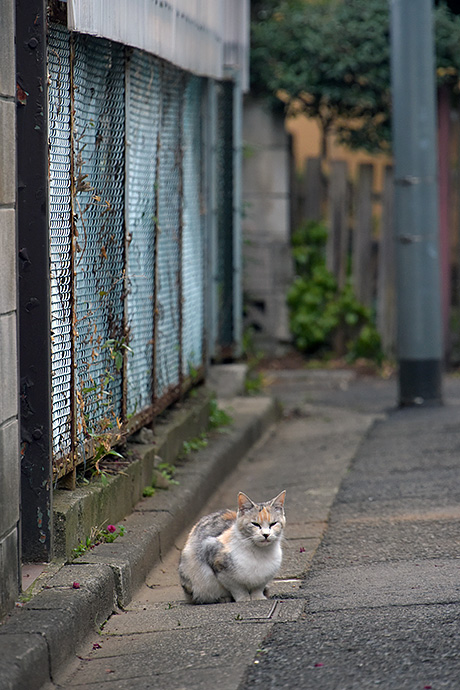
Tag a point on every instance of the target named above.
point(46, 632)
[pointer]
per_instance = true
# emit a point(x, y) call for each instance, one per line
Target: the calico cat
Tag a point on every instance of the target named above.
point(231, 556)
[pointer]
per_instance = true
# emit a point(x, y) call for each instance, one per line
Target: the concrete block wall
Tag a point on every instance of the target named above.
point(9, 432)
point(267, 260)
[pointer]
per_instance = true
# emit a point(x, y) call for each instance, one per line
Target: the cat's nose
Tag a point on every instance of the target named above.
point(266, 534)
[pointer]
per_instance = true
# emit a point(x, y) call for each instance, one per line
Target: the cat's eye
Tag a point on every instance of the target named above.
point(272, 524)
point(255, 524)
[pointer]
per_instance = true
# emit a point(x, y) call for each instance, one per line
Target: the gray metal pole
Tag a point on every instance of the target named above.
point(416, 203)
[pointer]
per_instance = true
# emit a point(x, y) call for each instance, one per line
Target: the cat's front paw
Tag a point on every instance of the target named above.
point(241, 596)
point(258, 595)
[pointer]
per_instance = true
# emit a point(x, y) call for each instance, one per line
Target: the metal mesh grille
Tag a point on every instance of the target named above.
point(225, 213)
point(60, 238)
point(192, 234)
point(167, 335)
point(99, 207)
point(159, 266)
point(143, 110)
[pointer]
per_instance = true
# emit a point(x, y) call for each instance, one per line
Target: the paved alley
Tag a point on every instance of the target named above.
point(369, 591)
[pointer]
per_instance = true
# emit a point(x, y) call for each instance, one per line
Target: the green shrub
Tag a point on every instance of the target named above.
point(322, 317)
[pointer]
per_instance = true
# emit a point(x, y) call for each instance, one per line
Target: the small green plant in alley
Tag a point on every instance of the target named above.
point(253, 384)
point(168, 471)
point(254, 381)
point(99, 535)
point(218, 418)
point(195, 444)
point(116, 348)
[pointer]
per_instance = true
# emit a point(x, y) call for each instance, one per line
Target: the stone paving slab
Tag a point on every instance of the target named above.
point(188, 651)
point(161, 679)
point(160, 617)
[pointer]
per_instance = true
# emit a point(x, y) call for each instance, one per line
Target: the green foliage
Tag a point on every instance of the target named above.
point(101, 450)
point(447, 27)
point(148, 491)
point(218, 418)
point(331, 60)
point(322, 316)
point(192, 371)
point(254, 383)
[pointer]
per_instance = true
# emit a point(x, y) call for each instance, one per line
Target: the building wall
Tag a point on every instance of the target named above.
point(267, 262)
point(306, 143)
point(9, 444)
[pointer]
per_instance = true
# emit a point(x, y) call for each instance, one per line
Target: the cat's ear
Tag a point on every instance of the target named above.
point(278, 501)
point(244, 502)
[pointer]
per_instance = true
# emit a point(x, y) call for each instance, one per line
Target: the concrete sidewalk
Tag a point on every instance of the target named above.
point(42, 635)
point(158, 641)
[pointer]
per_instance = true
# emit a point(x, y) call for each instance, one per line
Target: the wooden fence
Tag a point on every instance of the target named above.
point(360, 242)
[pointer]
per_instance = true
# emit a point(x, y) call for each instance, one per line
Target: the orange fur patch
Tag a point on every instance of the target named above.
point(264, 515)
point(229, 515)
point(224, 538)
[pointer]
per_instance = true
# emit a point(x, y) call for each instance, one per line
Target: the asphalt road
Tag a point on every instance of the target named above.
point(382, 598)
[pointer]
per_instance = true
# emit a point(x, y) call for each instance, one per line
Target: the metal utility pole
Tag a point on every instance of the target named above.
point(416, 203)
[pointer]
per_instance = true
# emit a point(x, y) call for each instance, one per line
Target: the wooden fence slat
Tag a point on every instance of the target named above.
point(337, 244)
point(386, 289)
point(314, 190)
point(296, 199)
point(362, 236)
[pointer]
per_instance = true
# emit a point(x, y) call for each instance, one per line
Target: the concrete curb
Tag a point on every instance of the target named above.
point(76, 512)
point(46, 632)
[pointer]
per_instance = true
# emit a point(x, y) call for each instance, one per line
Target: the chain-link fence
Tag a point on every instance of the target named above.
point(127, 234)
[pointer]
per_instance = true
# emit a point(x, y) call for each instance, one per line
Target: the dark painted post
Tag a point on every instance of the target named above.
point(416, 203)
point(34, 277)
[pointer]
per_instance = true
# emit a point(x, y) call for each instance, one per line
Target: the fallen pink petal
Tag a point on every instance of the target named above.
point(111, 528)
point(318, 665)
point(302, 549)
point(76, 585)
point(96, 645)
